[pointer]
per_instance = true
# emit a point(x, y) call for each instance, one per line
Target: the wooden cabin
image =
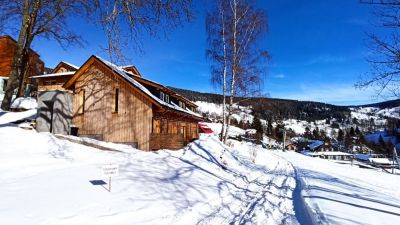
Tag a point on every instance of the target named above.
point(56, 79)
point(116, 104)
point(8, 46)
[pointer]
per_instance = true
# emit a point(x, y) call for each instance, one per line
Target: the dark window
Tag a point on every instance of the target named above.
point(5, 85)
point(116, 97)
point(81, 100)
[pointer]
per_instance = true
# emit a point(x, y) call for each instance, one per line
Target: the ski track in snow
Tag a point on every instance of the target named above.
point(341, 194)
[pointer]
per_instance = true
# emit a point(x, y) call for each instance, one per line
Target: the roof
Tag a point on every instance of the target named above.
point(315, 144)
point(155, 84)
point(55, 74)
point(67, 64)
point(13, 40)
point(71, 65)
point(126, 75)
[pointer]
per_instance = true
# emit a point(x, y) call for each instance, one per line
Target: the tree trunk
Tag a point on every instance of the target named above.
point(28, 41)
point(224, 78)
point(17, 60)
point(233, 68)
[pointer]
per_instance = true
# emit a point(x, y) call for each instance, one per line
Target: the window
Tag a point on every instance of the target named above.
point(182, 105)
point(81, 109)
point(5, 85)
point(116, 100)
point(164, 97)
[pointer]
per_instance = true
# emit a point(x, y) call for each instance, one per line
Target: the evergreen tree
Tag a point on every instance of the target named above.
point(352, 132)
point(348, 141)
point(358, 132)
point(381, 144)
point(258, 127)
point(307, 133)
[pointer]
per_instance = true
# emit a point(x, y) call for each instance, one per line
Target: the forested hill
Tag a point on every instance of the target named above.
point(386, 104)
point(272, 108)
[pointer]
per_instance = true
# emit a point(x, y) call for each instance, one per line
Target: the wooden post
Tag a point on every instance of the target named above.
point(109, 184)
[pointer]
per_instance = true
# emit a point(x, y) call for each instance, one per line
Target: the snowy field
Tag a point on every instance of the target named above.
point(46, 180)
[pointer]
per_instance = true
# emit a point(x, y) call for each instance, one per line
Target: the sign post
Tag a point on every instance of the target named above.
point(395, 158)
point(110, 170)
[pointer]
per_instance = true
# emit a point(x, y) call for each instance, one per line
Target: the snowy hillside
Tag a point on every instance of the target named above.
point(374, 112)
point(213, 110)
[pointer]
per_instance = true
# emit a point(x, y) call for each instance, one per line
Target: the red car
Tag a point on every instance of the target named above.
point(203, 128)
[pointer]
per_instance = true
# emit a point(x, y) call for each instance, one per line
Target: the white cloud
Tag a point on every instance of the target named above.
point(279, 76)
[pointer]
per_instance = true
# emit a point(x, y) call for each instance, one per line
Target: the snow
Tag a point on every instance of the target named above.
point(70, 64)
point(240, 113)
point(46, 180)
point(24, 103)
point(10, 117)
point(55, 74)
point(315, 144)
point(233, 131)
point(344, 194)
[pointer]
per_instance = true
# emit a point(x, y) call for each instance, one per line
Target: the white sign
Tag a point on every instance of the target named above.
point(111, 170)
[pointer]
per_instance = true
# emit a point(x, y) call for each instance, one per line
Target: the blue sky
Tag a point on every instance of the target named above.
point(318, 50)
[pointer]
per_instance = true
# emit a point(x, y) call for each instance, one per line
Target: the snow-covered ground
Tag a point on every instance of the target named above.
point(24, 103)
point(46, 180)
point(375, 113)
point(233, 131)
point(9, 117)
point(215, 111)
point(345, 194)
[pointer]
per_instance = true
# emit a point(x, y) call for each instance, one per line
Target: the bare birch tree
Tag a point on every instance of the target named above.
point(217, 53)
point(384, 75)
point(234, 29)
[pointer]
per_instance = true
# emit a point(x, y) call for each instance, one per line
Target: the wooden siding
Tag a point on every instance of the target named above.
point(63, 67)
point(8, 46)
point(171, 123)
point(51, 83)
point(132, 123)
point(166, 141)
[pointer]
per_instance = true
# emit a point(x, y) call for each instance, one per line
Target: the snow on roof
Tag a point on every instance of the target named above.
point(315, 144)
point(123, 74)
point(24, 103)
point(333, 153)
point(380, 161)
point(55, 74)
point(72, 65)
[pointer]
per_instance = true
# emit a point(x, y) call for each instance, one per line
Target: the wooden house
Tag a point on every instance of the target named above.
point(8, 46)
point(116, 104)
point(56, 78)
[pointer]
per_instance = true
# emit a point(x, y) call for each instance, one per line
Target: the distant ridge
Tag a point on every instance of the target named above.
point(217, 98)
point(278, 109)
